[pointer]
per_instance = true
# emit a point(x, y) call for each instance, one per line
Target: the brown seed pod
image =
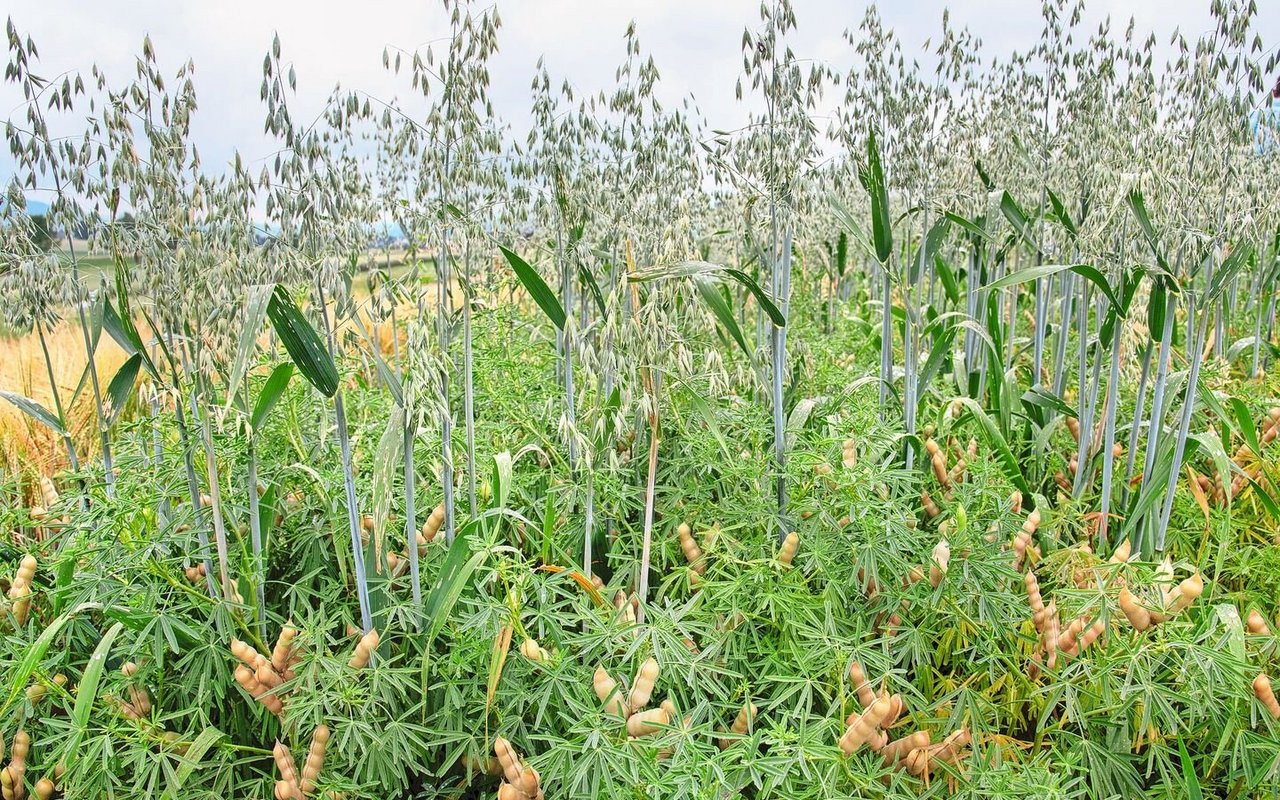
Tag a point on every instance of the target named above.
point(287, 787)
point(1262, 690)
point(1185, 593)
point(1138, 616)
point(1257, 624)
point(364, 650)
point(435, 521)
point(864, 727)
point(642, 686)
point(45, 789)
point(897, 750)
point(930, 507)
point(862, 686)
point(789, 547)
point(849, 454)
point(644, 723)
point(282, 654)
point(606, 688)
point(315, 760)
point(690, 548)
point(941, 559)
point(533, 651)
point(509, 759)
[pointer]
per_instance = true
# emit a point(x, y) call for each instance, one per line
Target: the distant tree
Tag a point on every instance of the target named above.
point(42, 232)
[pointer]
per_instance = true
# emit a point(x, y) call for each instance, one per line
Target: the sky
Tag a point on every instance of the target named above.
point(696, 45)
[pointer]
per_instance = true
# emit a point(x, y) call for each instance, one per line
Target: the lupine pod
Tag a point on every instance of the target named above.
point(364, 650)
point(863, 727)
point(866, 695)
point(898, 749)
point(1138, 616)
point(789, 547)
point(644, 723)
point(509, 759)
point(280, 654)
point(1262, 690)
point(1185, 593)
point(642, 687)
point(606, 688)
point(1257, 624)
point(941, 560)
point(315, 760)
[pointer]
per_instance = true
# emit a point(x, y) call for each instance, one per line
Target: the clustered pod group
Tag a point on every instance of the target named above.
point(295, 785)
point(260, 676)
point(913, 752)
point(20, 590)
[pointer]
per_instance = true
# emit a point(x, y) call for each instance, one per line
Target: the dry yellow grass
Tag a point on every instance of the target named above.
point(27, 446)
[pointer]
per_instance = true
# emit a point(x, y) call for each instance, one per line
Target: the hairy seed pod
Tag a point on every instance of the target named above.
point(863, 727)
point(435, 521)
point(849, 454)
point(789, 547)
point(1185, 593)
point(689, 547)
point(364, 650)
point(1121, 554)
point(315, 760)
point(1261, 690)
point(509, 759)
point(1035, 599)
point(898, 749)
point(44, 789)
point(282, 653)
point(896, 708)
point(930, 507)
point(509, 791)
point(606, 689)
point(532, 651)
point(1257, 624)
point(1138, 616)
point(642, 686)
point(644, 723)
point(941, 561)
point(1091, 634)
point(742, 722)
point(862, 686)
point(1051, 629)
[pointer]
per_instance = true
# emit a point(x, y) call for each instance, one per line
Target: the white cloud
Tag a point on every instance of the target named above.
point(695, 44)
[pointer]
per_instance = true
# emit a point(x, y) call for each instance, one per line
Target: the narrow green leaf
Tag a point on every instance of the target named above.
point(255, 311)
point(872, 177)
point(719, 307)
point(121, 387)
point(191, 760)
point(763, 299)
point(1008, 462)
point(537, 288)
point(36, 411)
point(302, 343)
point(87, 689)
point(271, 393)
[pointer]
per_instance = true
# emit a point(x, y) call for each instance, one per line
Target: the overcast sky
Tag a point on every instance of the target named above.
point(695, 43)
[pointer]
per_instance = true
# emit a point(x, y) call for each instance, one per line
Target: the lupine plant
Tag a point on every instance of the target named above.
point(916, 438)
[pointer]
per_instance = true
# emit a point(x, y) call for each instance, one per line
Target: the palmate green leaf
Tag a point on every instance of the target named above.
point(36, 411)
point(872, 176)
point(536, 287)
point(1008, 462)
point(271, 393)
point(302, 343)
point(720, 307)
point(121, 387)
